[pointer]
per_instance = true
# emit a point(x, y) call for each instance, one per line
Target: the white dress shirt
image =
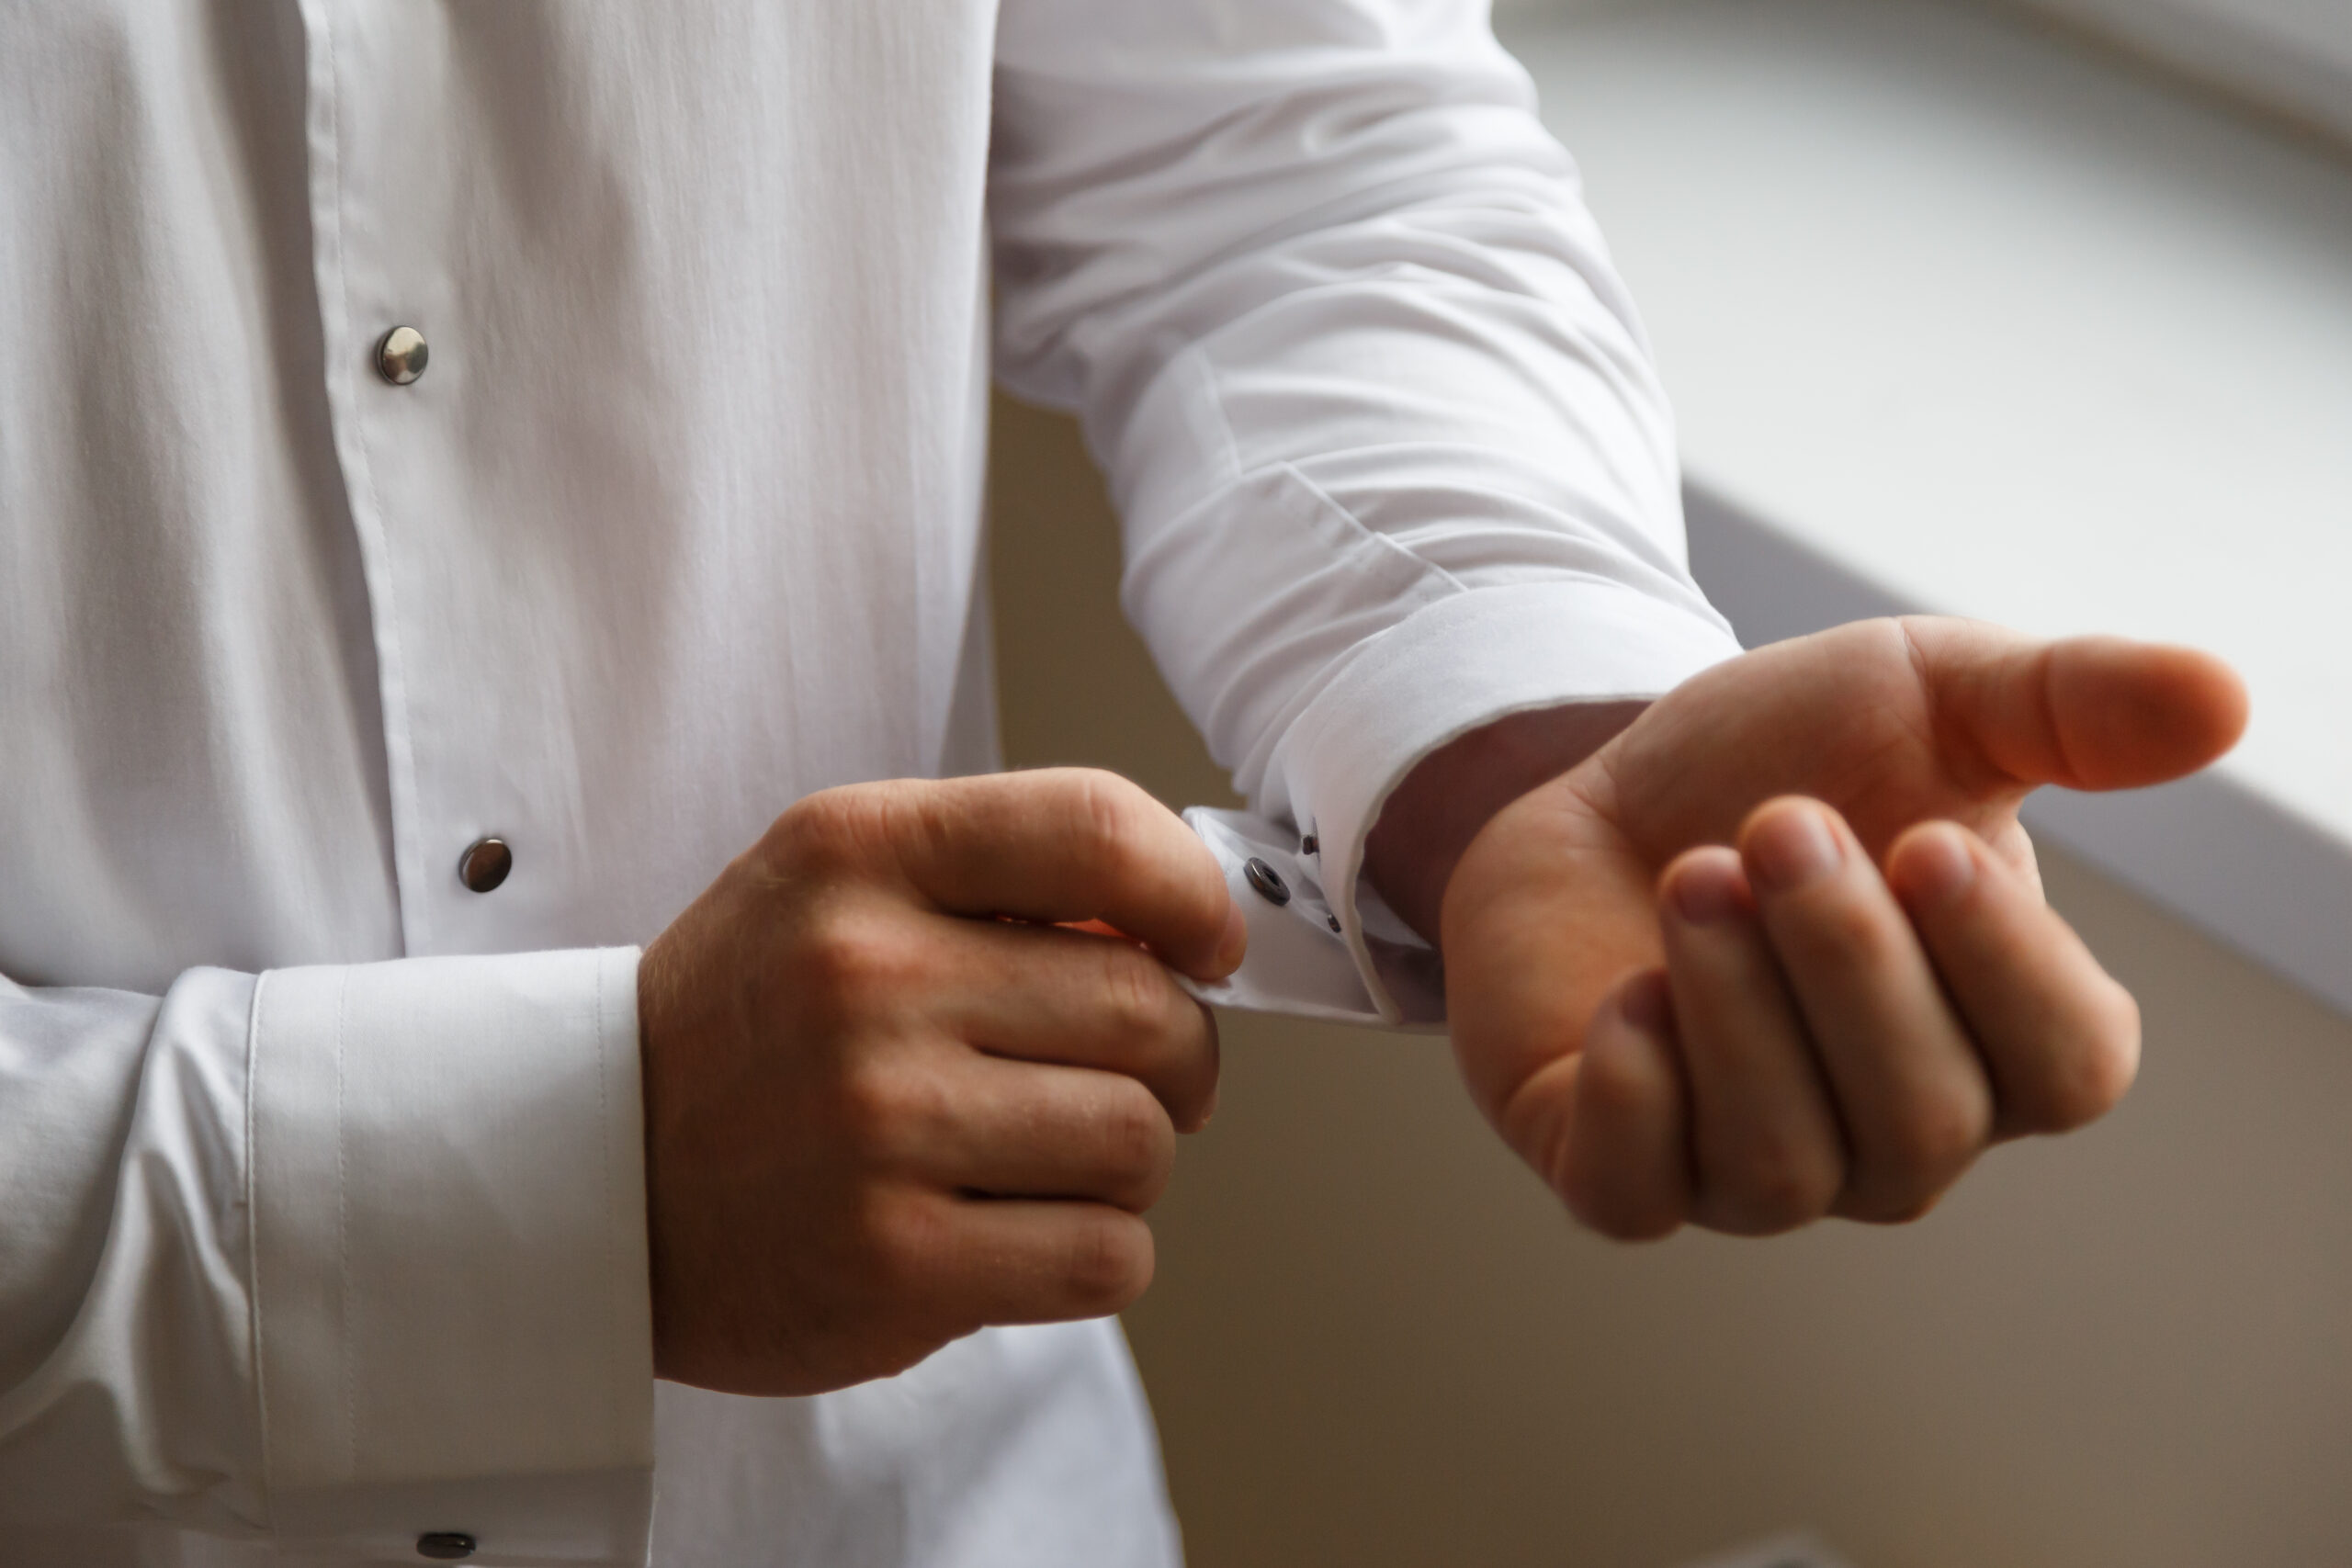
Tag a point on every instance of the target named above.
point(324, 1225)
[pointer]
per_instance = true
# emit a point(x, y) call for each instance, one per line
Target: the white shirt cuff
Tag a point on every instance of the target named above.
point(452, 1319)
point(1458, 664)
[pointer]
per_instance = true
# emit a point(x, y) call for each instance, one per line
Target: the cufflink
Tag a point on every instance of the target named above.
point(1299, 962)
point(1267, 881)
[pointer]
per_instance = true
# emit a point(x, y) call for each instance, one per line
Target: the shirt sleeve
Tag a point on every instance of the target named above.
point(331, 1257)
point(1383, 431)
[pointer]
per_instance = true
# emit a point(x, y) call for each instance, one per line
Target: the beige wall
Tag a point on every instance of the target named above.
point(1375, 1340)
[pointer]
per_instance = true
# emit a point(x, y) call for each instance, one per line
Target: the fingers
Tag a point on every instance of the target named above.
point(1063, 845)
point(1622, 1160)
point(987, 1260)
point(1045, 993)
point(1063, 1065)
point(1765, 1145)
point(1914, 1100)
point(2088, 713)
point(1040, 1062)
point(1839, 1043)
point(2060, 1038)
point(1018, 1129)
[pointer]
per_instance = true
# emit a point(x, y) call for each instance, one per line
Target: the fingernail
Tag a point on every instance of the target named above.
point(1705, 893)
point(1937, 866)
point(1234, 943)
point(1791, 849)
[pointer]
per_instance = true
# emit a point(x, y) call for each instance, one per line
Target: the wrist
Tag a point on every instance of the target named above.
point(1429, 818)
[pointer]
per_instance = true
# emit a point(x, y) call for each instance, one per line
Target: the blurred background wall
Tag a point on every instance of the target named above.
point(1375, 1340)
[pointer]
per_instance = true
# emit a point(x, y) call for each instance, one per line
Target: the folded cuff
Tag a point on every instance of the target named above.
point(1451, 668)
point(451, 1313)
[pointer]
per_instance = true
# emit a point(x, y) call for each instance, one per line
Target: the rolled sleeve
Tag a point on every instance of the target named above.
point(452, 1322)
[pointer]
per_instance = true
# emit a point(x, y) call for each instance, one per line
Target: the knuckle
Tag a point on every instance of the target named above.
point(1777, 1185)
point(1200, 1064)
point(1937, 1137)
point(1108, 1264)
point(1138, 1145)
point(1852, 930)
point(1107, 816)
point(851, 958)
point(1897, 1208)
point(1875, 1199)
point(1155, 1031)
point(1917, 1155)
point(1615, 1083)
point(855, 827)
point(901, 1243)
point(1104, 802)
point(823, 827)
point(1604, 1208)
point(2113, 1059)
point(1609, 1195)
point(1136, 993)
point(2088, 1077)
point(885, 1108)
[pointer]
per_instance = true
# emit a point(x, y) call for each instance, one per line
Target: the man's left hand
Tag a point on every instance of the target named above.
point(1779, 950)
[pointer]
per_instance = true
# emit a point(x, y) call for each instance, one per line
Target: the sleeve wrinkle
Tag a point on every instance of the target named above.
point(403, 1201)
point(1325, 309)
point(1390, 456)
point(126, 1353)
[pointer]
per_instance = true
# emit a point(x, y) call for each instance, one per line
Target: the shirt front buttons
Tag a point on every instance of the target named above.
point(485, 864)
point(401, 356)
point(446, 1546)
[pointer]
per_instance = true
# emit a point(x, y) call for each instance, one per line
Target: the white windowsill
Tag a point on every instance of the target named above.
point(1960, 317)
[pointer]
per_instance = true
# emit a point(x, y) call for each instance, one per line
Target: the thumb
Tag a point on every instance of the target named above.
point(2091, 713)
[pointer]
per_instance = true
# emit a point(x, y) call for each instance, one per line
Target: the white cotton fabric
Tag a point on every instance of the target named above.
point(325, 1221)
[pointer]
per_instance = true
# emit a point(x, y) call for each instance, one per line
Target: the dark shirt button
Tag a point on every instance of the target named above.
point(485, 864)
point(446, 1546)
point(400, 356)
point(1267, 881)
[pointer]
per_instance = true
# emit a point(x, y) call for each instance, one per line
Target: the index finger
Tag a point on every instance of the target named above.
point(1072, 844)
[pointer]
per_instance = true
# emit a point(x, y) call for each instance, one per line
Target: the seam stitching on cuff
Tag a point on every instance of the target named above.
point(253, 1245)
point(604, 1125)
point(342, 1231)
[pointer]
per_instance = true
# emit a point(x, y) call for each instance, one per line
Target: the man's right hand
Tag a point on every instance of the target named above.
point(891, 1096)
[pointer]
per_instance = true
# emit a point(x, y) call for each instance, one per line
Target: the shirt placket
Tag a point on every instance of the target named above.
point(396, 369)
